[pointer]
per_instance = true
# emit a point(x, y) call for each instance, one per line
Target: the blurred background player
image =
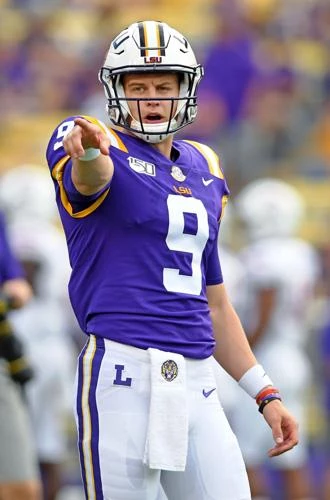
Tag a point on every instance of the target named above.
point(19, 475)
point(46, 324)
point(25, 191)
point(281, 271)
point(234, 277)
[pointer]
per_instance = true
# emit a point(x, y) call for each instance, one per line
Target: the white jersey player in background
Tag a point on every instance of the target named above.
point(46, 323)
point(281, 271)
point(229, 391)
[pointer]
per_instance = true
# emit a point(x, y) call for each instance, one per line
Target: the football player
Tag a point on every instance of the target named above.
point(281, 273)
point(19, 474)
point(46, 323)
point(25, 189)
point(141, 214)
point(45, 326)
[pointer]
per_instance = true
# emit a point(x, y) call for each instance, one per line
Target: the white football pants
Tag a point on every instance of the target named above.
point(113, 386)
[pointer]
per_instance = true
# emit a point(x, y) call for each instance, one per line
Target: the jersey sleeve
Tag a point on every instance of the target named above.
point(55, 151)
point(60, 166)
point(213, 270)
point(214, 166)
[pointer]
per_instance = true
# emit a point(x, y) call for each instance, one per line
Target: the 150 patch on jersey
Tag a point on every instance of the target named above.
point(142, 167)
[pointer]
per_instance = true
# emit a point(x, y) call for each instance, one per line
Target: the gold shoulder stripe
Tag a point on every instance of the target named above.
point(116, 141)
point(97, 122)
point(211, 158)
point(57, 174)
point(114, 138)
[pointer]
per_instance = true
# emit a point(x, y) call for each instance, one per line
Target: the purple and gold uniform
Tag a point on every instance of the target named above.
point(149, 238)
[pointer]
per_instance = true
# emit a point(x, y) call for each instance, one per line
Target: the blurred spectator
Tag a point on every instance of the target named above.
point(273, 126)
point(229, 69)
point(264, 86)
point(266, 73)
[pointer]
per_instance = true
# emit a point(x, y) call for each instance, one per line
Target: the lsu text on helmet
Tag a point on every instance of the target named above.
point(151, 46)
point(269, 208)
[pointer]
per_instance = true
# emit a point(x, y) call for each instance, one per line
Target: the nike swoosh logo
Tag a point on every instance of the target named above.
point(206, 394)
point(206, 182)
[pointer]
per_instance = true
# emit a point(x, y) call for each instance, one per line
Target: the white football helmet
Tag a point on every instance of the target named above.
point(27, 189)
point(44, 244)
point(150, 46)
point(269, 207)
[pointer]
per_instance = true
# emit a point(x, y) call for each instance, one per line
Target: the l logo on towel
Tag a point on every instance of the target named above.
point(169, 370)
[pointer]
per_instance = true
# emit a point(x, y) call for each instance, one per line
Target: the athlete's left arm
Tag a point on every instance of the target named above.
point(232, 350)
point(234, 354)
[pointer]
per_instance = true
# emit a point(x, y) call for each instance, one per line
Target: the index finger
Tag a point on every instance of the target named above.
point(83, 123)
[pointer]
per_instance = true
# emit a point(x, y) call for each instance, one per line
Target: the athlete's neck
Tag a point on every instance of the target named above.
point(165, 147)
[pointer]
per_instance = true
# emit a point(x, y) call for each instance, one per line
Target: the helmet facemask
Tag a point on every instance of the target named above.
point(190, 74)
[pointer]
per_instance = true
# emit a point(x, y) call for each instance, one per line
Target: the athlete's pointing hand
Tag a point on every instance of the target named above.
point(83, 136)
point(88, 146)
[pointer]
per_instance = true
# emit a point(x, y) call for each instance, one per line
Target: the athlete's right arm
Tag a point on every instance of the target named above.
point(90, 176)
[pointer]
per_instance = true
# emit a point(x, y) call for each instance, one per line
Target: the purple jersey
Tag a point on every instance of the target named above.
point(144, 249)
point(10, 267)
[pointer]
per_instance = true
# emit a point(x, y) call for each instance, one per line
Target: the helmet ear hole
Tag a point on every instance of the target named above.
point(145, 47)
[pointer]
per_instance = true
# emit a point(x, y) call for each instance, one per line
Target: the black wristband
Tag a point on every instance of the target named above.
point(268, 400)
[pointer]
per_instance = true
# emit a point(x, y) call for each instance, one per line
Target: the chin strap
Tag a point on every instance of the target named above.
point(152, 133)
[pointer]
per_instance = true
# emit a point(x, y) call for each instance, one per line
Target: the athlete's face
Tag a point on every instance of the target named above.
point(153, 87)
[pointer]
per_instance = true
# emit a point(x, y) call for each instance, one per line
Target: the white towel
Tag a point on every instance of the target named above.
point(167, 437)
